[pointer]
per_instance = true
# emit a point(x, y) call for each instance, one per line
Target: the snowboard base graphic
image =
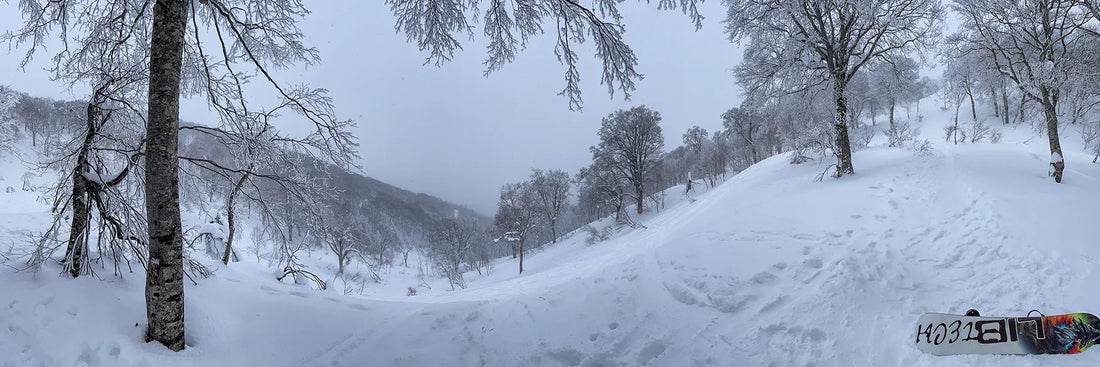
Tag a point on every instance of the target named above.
point(945, 334)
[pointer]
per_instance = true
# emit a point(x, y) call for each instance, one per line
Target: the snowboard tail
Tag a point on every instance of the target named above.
point(944, 334)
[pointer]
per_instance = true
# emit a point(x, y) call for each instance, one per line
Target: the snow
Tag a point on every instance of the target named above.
point(768, 268)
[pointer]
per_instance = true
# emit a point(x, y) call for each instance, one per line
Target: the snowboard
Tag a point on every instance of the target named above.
point(945, 334)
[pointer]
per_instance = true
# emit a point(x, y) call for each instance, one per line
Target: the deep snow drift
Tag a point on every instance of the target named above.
point(768, 268)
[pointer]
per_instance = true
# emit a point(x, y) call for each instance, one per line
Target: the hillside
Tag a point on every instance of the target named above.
point(768, 268)
point(21, 112)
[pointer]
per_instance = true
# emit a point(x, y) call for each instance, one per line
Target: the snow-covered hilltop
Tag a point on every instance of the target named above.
point(768, 268)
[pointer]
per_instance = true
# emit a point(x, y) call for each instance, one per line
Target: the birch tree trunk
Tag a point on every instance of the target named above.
point(164, 276)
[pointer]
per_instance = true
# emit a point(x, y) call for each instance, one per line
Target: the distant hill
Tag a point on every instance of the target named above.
point(21, 112)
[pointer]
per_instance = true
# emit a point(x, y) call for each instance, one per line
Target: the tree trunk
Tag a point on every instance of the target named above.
point(232, 221)
point(893, 103)
point(78, 241)
point(1004, 101)
point(1050, 109)
point(553, 230)
point(340, 257)
point(638, 190)
point(993, 96)
point(840, 122)
point(973, 110)
point(1023, 101)
point(164, 276)
point(522, 239)
point(955, 133)
point(873, 112)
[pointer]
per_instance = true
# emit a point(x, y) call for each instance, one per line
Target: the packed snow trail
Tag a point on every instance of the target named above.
point(768, 268)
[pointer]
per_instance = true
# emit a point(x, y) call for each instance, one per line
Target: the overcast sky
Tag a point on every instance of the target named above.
point(450, 132)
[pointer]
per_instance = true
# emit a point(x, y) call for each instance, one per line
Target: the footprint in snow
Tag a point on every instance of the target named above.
point(359, 307)
point(300, 294)
point(269, 290)
point(651, 351)
point(774, 304)
point(764, 278)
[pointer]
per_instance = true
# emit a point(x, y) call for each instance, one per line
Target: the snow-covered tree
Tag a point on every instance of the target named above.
point(551, 193)
point(1034, 44)
point(895, 81)
point(695, 138)
point(631, 144)
point(831, 41)
point(746, 128)
point(150, 42)
point(451, 243)
point(517, 214)
point(436, 26)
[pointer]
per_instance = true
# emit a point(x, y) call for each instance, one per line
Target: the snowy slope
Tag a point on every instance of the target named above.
point(769, 268)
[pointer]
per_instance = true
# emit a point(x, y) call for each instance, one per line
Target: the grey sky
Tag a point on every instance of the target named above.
point(450, 132)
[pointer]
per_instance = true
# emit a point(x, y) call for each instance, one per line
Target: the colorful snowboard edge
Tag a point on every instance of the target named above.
point(946, 334)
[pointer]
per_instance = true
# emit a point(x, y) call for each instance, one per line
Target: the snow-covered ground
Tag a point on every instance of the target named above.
point(769, 268)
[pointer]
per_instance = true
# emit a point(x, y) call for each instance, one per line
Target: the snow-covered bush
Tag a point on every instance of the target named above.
point(951, 132)
point(979, 132)
point(902, 134)
point(861, 137)
point(922, 147)
point(596, 235)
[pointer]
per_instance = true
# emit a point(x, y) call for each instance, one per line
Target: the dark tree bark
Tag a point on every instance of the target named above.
point(164, 277)
point(1004, 101)
point(955, 133)
point(840, 122)
point(1023, 103)
point(1050, 111)
point(521, 241)
point(973, 110)
point(231, 217)
point(996, 106)
point(893, 103)
point(81, 198)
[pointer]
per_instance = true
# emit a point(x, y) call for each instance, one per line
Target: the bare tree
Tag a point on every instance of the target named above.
point(516, 216)
point(895, 81)
point(632, 143)
point(451, 243)
point(695, 138)
point(551, 191)
point(601, 186)
point(832, 39)
point(745, 127)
